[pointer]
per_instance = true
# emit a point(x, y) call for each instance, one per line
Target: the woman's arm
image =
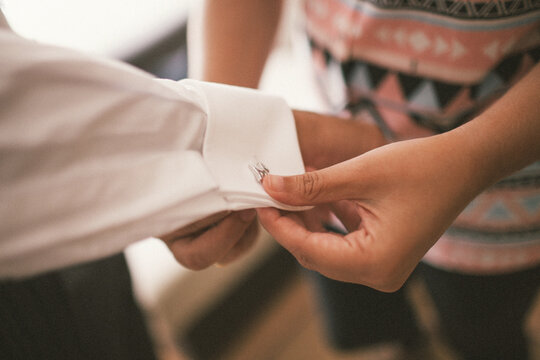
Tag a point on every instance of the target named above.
point(397, 200)
point(229, 41)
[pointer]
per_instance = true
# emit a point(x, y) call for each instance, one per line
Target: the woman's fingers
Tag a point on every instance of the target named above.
point(347, 212)
point(322, 251)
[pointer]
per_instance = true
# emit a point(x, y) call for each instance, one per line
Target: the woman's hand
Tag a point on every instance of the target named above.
point(395, 202)
point(398, 199)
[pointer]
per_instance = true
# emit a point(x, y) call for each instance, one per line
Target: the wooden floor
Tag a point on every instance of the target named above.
point(290, 329)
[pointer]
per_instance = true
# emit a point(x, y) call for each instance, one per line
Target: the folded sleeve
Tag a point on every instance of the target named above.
point(96, 154)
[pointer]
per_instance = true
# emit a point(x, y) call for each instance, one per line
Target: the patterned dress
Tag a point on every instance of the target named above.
point(422, 67)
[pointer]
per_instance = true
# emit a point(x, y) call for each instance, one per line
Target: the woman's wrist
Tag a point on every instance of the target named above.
point(505, 137)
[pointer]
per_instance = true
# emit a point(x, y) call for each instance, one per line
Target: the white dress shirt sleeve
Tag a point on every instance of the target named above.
point(95, 154)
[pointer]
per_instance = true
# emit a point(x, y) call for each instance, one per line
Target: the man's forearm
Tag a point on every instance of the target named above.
point(326, 140)
point(237, 37)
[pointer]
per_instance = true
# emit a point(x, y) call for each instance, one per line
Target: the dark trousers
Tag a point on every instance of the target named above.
point(482, 317)
point(83, 312)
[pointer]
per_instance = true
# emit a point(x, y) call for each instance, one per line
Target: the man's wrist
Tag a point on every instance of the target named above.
point(326, 140)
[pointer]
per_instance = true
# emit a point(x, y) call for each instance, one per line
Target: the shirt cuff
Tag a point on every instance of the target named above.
point(246, 126)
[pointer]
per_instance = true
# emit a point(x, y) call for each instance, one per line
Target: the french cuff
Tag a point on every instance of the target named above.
point(246, 127)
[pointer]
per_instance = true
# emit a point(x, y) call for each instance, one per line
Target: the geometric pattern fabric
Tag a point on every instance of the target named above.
point(418, 67)
point(462, 9)
point(432, 95)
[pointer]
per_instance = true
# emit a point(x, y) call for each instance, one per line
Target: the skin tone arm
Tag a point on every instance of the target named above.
point(228, 55)
point(236, 38)
point(397, 200)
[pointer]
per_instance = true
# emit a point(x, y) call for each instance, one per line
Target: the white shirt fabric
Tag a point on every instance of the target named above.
point(95, 154)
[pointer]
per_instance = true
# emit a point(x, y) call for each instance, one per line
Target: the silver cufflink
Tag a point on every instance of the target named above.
point(258, 170)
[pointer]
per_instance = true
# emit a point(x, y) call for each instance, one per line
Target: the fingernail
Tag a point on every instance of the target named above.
point(247, 215)
point(276, 183)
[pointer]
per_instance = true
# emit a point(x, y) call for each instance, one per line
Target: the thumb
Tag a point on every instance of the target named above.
point(337, 182)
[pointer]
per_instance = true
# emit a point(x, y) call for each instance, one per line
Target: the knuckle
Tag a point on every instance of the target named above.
point(389, 282)
point(310, 185)
point(390, 286)
point(304, 261)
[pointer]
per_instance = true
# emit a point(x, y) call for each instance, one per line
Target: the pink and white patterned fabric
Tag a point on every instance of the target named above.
point(422, 67)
